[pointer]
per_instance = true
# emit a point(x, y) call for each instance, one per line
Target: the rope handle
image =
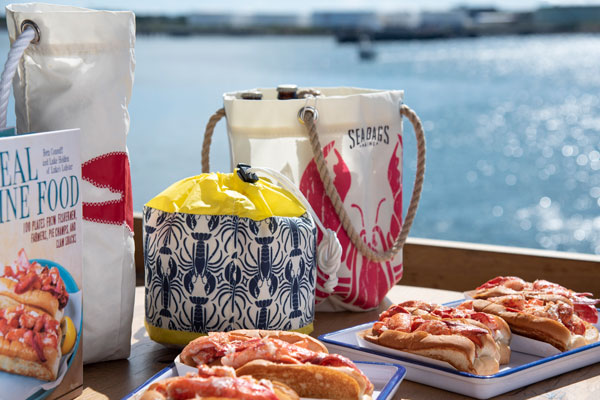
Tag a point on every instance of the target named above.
point(365, 250)
point(309, 121)
point(329, 250)
point(29, 34)
point(208, 133)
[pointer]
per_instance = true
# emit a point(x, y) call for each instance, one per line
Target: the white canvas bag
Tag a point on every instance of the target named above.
point(344, 151)
point(80, 74)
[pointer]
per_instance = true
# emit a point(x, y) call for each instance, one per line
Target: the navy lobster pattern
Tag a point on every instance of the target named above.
point(218, 273)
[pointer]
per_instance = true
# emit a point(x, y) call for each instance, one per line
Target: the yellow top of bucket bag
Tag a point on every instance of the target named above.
point(227, 194)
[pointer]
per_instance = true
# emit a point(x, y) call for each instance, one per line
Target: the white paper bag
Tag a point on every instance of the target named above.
point(358, 134)
point(80, 74)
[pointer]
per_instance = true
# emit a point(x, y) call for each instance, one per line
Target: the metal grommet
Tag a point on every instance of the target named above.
point(303, 110)
point(29, 23)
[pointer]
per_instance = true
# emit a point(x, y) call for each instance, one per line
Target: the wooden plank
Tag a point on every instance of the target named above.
point(462, 266)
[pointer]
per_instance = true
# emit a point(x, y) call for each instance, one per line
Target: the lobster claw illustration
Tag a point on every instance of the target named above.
point(253, 227)
point(213, 222)
point(272, 223)
point(191, 221)
point(233, 274)
point(162, 217)
point(361, 282)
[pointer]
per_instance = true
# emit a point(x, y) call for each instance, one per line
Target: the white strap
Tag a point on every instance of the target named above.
point(329, 251)
point(10, 67)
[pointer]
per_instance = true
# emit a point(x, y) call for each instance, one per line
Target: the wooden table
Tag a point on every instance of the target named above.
point(115, 379)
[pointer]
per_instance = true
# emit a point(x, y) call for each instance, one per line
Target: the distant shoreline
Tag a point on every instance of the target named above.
point(521, 24)
point(177, 26)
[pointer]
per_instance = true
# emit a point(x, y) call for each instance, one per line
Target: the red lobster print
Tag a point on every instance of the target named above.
point(362, 283)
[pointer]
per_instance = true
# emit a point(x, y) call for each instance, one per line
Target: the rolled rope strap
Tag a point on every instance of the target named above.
point(29, 34)
point(329, 251)
point(308, 118)
point(208, 133)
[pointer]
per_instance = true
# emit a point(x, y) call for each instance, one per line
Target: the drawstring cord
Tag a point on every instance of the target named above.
point(329, 251)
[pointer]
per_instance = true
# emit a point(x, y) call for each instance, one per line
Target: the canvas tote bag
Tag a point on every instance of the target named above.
point(343, 148)
point(80, 74)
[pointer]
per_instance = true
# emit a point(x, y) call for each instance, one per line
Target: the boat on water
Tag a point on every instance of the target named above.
point(366, 49)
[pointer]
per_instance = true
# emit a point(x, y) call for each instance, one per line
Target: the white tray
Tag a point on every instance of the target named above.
point(385, 377)
point(523, 369)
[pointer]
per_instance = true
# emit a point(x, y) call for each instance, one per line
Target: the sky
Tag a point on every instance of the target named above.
point(304, 6)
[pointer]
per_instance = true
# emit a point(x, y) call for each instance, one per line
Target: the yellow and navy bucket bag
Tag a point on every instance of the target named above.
point(227, 251)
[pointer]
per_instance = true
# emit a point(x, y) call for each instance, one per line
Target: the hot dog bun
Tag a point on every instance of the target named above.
point(502, 337)
point(19, 362)
point(314, 381)
point(501, 332)
point(456, 350)
point(462, 338)
point(496, 326)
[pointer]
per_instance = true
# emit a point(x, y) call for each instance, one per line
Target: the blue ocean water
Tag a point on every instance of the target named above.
point(512, 123)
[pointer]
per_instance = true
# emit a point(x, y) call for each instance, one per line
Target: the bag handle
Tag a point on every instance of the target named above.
point(30, 33)
point(308, 116)
point(208, 132)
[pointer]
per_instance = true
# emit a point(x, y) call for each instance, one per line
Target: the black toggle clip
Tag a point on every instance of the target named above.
point(242, 171)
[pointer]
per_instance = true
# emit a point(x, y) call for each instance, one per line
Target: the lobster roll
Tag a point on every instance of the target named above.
point(34, 285)
point(297, 360)
point(446, 335)
point(29, 342)
point(540, 310)
point(217, 383)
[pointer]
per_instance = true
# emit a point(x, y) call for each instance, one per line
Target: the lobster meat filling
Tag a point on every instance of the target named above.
point(36, 330)
point(582, 303)
point(33, 276)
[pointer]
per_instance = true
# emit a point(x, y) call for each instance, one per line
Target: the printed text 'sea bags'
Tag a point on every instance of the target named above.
point(343, 149)
point(80, 74)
